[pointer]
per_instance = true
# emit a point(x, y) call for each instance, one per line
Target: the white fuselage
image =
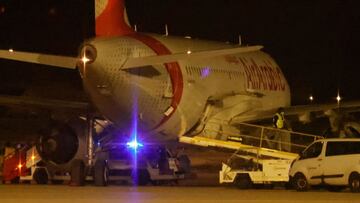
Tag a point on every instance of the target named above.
point(169, 99)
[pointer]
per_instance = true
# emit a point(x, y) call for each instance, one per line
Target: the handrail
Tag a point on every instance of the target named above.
point(270, 128)
point(259, 136)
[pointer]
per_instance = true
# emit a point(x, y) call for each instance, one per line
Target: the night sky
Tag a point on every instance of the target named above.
point(315, 42)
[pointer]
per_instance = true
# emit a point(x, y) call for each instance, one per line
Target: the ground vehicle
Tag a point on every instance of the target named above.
point(333, 163)
point(35, 170)
point(113, 162)
point(23, 164)
point(143, 165)
point(244, 171)
point(263, 155)
point(14, 160)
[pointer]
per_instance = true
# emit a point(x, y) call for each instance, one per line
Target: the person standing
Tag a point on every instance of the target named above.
point(279, 119)
point(281, 138)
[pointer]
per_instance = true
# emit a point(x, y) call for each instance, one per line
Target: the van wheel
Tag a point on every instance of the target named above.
point(101, 173)
point(243, 181)
point(300, 182)
point(354, 182)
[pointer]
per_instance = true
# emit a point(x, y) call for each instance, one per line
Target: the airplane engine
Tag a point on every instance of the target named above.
point(62, 142)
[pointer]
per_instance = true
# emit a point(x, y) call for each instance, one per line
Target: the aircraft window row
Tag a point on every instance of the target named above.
point(207, 71)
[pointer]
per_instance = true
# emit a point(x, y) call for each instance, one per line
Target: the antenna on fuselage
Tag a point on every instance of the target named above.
point(166, 30)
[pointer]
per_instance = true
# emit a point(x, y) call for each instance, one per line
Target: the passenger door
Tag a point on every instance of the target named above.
point(340, 158)
point(312, 159)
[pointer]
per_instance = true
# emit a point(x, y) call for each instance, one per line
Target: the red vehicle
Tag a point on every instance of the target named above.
point(14, 165)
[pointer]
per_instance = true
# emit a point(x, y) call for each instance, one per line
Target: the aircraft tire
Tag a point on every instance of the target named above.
point(40, 176)
point(101, 173)
point(185, 163)
point(141, 177)
point(77, 173)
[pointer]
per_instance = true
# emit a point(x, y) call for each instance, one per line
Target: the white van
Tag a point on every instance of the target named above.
point(334, 163)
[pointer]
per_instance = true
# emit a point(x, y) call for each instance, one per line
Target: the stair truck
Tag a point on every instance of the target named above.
point(262, 156)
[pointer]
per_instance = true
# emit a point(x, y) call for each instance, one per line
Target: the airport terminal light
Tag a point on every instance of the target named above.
point(338, 98)
point(311, 98)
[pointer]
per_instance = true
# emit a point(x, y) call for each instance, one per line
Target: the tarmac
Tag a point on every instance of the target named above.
point(204, 187)
point(64, 193)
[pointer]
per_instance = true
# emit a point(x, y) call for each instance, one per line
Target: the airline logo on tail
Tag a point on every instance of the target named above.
point(111, 18)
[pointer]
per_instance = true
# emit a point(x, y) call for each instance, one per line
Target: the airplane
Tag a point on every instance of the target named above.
point(164, 86)
point(165, 72)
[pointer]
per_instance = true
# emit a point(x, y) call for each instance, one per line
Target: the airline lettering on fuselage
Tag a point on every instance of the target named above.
point(262, 77)
point(266, 76)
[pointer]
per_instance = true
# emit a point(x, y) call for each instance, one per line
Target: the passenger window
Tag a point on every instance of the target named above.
point(313, 151)
point(335, 148)
point(342, 148)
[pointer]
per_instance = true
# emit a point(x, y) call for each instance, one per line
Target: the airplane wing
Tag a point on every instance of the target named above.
point(152, 60)
point(70, 62)
point(45, 59)
point(30, 102)
point(350, 106)
point(298, 110)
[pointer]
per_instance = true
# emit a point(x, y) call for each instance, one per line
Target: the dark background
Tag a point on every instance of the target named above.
point(315, 42)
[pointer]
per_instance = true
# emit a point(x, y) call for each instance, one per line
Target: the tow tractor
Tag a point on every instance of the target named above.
point(138, 164)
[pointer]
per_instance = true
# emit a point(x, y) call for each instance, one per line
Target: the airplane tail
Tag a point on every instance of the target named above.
point(111, 18)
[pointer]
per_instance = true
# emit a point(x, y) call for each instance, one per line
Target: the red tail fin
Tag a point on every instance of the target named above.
point(111, 18)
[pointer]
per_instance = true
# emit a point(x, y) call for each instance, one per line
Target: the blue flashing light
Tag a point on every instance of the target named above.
point(205, 72)
point(134, 144)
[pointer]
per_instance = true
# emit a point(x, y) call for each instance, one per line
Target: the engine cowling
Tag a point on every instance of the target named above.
point(61, 143)
point(352, 129)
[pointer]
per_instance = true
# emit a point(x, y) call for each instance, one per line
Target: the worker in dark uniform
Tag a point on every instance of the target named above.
point(163, 161)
